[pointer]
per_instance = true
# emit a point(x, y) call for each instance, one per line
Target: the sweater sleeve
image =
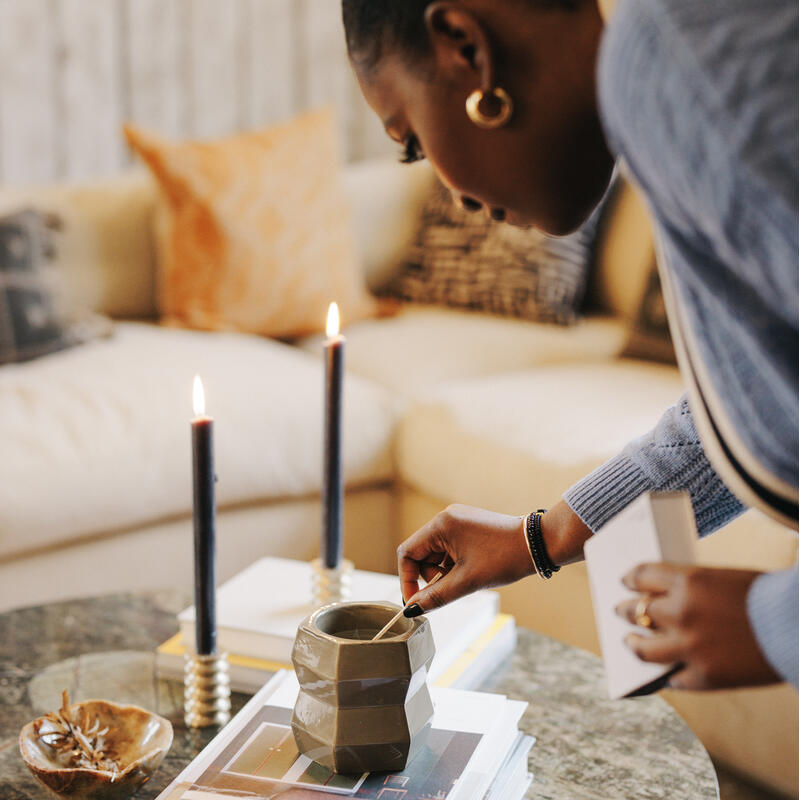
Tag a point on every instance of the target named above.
point(772, 608)
point(669, 458)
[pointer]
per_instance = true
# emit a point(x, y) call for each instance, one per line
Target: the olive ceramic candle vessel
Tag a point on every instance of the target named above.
point(363, 706)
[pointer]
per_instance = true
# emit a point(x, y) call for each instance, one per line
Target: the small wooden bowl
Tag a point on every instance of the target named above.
point(137, 740)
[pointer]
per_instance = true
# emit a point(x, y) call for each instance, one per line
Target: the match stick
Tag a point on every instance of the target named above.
point(399, 614)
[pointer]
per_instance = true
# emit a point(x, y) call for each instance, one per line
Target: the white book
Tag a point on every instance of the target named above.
point(493, 748)
point(512, 778)
point(655, 527)
point(491, 649)
point(456, 626)
point(259, 610)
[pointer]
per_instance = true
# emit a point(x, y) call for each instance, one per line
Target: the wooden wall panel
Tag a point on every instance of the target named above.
point(329, 79)
point(215, 53)
point(72, 71)
point(271, 92)
point(27, 107)
point(153, 66)
point(91, 86)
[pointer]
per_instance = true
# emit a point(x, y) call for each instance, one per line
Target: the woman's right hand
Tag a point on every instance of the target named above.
point(477, 549)
point(471, 547)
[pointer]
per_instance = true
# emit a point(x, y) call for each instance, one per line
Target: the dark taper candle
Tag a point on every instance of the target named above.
point(204, 519)
point(332, 488)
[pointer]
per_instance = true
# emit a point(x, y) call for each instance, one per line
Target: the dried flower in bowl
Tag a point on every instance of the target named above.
point(95, 750)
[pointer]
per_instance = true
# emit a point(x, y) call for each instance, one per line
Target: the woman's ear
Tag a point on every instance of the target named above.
point(460, 43)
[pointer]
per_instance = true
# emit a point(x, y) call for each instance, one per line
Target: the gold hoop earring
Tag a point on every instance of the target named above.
point(484, 120)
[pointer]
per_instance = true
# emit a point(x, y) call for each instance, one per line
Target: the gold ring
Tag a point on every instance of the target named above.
point(640, 615)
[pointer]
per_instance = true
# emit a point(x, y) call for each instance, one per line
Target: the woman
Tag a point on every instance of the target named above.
point(523, 106)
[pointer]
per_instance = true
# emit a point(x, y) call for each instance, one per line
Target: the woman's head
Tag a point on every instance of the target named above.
point(419, 60)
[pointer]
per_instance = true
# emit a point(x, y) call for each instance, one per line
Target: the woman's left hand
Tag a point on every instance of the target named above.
point(698, 619)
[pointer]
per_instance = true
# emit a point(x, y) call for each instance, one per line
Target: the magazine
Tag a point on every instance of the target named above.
point(472, 737)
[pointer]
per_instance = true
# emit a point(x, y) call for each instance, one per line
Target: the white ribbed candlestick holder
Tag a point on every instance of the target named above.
point(330, 585)
point(206, 690)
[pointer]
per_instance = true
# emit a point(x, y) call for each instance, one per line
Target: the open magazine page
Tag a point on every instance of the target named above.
point(255, 755)
point(186, 779)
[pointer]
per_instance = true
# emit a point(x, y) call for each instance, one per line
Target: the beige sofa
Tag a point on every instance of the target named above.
point(441, 406)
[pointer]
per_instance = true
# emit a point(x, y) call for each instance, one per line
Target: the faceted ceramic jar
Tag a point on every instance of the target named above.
point(363, 706)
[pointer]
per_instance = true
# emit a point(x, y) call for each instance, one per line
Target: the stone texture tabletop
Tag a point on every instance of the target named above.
point(586, 745)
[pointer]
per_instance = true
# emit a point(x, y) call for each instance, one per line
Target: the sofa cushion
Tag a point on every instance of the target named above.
point(257, 234)
point(34, 318)
point(465, 260)
point(30, 324)
point(105, 245)
point(516, 441)
point(386, 197)
point(107, 250)
point(423, 346)
point(97, 438)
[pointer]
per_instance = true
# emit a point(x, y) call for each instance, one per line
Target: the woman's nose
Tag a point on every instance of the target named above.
point(469, 203)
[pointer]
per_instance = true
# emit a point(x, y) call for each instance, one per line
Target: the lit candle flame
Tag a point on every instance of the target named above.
point(199, 397)
point(332, 328)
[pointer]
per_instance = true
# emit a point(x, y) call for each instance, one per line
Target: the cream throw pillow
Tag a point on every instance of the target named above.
point(104, 250)
point(258, 235)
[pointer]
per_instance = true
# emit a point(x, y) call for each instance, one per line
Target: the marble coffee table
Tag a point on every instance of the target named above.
point(587, 746)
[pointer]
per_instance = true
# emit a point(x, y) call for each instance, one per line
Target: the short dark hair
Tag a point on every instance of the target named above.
point(373, 26)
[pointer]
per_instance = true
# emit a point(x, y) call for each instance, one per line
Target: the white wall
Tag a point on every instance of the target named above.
point(72, 71)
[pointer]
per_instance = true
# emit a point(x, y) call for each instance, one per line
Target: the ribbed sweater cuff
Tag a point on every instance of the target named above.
point(772, 608)
point(606, 491)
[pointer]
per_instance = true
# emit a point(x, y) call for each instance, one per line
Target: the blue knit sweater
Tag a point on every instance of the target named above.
point(700, 99)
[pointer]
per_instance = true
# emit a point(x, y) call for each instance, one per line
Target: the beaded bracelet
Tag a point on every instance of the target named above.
point(542, 562)
point(525, 520)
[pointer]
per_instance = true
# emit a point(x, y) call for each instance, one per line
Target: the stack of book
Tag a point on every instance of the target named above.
point(259, 609)
point(474, 751)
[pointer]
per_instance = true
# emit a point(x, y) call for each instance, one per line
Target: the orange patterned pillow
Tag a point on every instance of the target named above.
point(257, 236)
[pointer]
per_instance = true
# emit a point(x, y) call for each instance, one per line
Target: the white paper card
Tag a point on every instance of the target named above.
point(655, 527)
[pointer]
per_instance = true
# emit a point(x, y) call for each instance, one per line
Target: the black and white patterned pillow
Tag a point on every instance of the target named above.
point(29, 322)
point(34, 317)
point(466, 261)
